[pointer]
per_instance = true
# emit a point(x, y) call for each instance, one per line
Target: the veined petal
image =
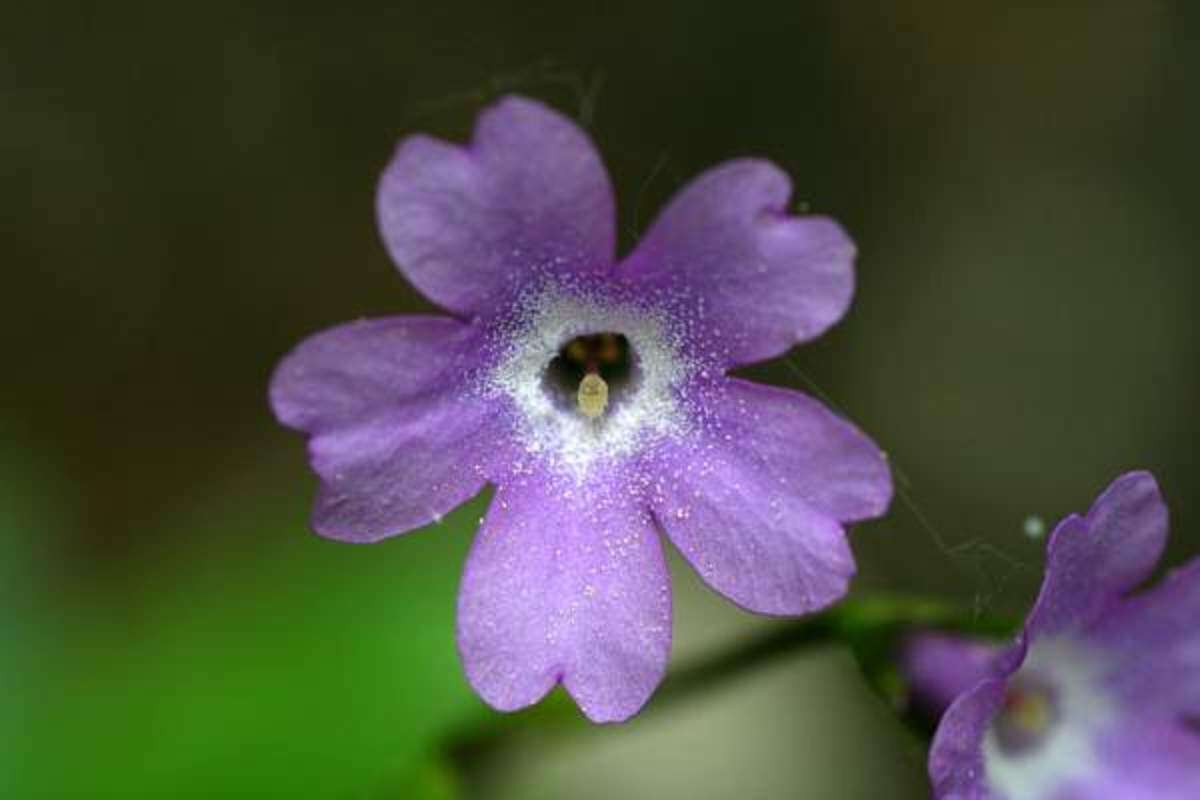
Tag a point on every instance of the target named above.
point(469, 225)
point(763, 280)
point(396, 440)
point(751, 539)
point(565, 585)
point(1092, 561)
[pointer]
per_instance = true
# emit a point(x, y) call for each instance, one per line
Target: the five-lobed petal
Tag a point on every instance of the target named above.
point(468, 225)
point(394, 436)
point(573, 590)
point(566, 583)
point(1092, 561)
point(768, 280)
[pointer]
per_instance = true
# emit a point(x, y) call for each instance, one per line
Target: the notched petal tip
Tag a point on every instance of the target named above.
point(1129, 520)
point(565, 587)
point(1070, 527)
point(768, 279)
point(391, 435)
point(828, 242)
point(293, 393)
point(610, 713)
point(602, 697)
point(509, 698)
point(469, 224)
point(504, 694)
point(1134, 496)
point(1095, 559)
point(767, 187)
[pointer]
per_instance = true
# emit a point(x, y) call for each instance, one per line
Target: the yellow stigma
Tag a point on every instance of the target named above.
point(592, 396)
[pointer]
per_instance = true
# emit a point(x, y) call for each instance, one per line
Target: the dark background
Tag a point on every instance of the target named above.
point(188, 190)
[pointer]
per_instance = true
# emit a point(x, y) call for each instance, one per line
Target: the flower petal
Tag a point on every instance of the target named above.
point(396, 440)
point(766, 280)
point(940, 667)
point(565, 585)
point(1092, 561)
point(797, 442)
point(1156, 639)
point(1145, 758)
point(468, 225)
point(750, 538)
point(956, 756)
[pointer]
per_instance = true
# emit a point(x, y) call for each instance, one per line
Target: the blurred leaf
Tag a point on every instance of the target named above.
point(34, 508)
point(270, 662)
point(428, 778)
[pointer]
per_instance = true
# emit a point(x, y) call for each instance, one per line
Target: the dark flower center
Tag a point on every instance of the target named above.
point(1030, 710)
point(592, 374)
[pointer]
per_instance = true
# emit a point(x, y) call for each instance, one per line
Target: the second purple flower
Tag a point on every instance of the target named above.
point(1099, 696)
point(592, 392)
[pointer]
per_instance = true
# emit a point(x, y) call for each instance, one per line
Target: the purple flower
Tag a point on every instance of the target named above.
point(1099, 696)
point(592, 393)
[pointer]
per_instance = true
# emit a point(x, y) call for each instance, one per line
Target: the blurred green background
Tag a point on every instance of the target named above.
point(188, 190)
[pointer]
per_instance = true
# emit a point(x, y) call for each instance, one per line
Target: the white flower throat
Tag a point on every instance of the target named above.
point(1055, 710)
point(590, 380)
